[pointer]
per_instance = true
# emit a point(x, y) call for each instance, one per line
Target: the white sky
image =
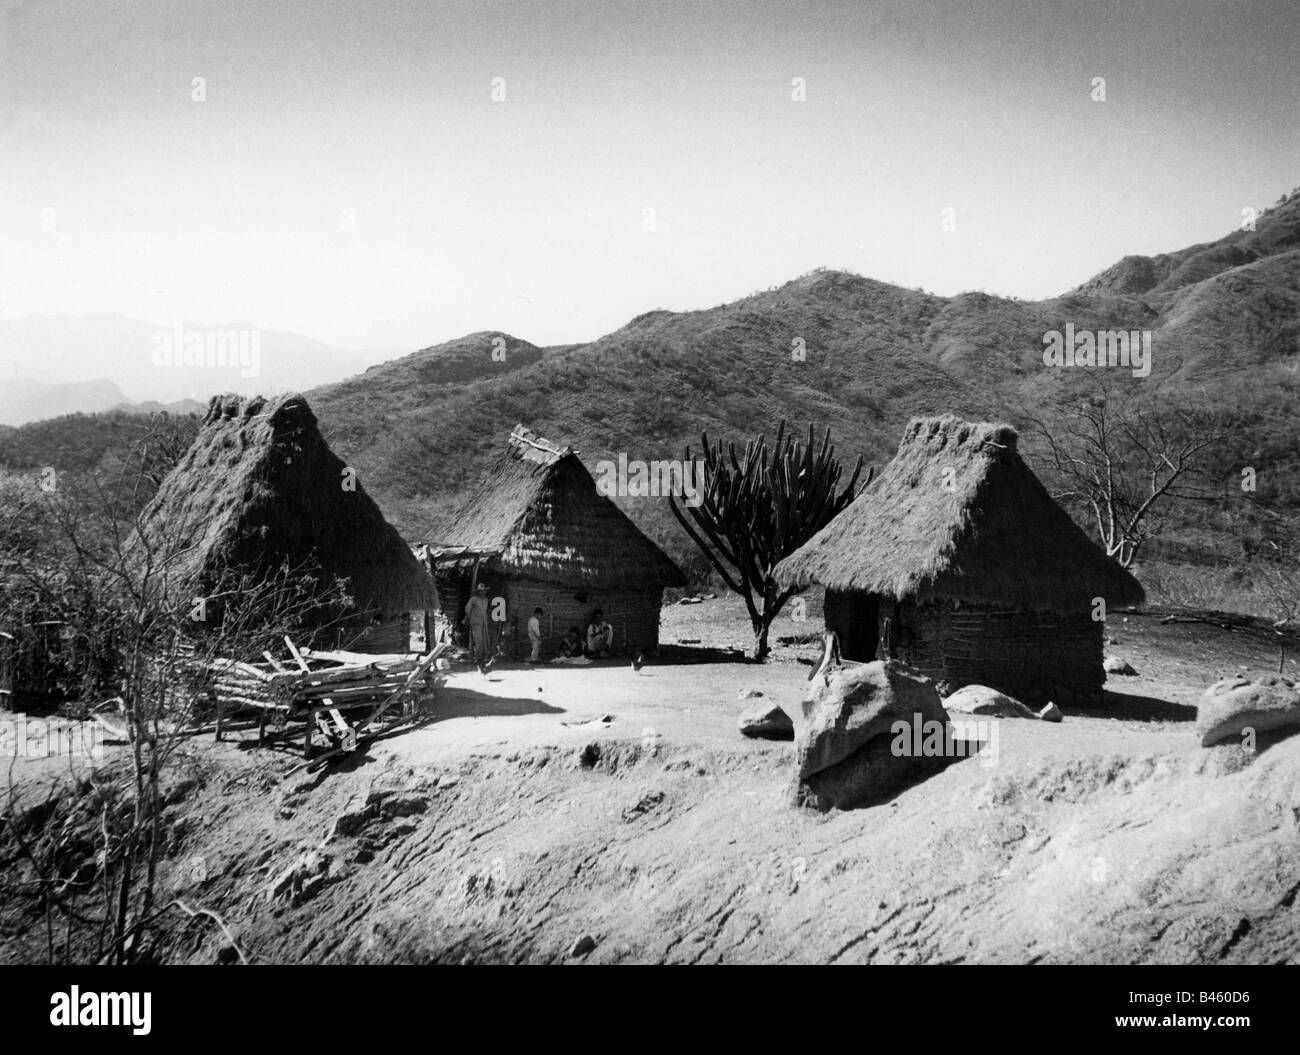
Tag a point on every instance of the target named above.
point(527, 215)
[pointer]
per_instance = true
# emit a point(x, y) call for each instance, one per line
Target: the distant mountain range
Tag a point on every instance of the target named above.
point(23, 400)
point(52, 365)
point(830, 348)
point(834, 349)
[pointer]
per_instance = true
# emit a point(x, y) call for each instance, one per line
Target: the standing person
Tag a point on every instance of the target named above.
point(600, 635)
point(535, 635)
point(476, 615)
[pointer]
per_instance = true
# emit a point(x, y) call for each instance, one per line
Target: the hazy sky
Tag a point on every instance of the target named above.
point(350, 176)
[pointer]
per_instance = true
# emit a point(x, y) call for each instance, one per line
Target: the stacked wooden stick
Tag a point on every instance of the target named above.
point(338, 680)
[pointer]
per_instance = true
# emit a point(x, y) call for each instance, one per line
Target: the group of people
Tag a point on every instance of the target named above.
point(599, 639)
point(574, 648)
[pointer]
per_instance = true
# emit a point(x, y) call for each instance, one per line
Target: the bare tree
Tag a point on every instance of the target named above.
point(139, 629)
point(1121, 458)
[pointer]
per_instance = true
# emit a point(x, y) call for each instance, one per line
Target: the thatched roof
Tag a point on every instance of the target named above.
point(260, 488)
point(958, 514)
point(540, 514)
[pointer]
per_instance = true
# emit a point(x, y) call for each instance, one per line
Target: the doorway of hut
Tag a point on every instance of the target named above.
point(855, 618)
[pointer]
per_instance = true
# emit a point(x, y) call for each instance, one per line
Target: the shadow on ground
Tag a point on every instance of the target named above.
point(674, 655)
point(1131, 707)
point(458, 702)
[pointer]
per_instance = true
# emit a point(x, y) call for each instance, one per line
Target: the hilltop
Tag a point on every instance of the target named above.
point(1224, 318)
point(832, 348)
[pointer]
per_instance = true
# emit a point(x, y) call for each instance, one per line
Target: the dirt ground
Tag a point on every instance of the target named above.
point(540, 807)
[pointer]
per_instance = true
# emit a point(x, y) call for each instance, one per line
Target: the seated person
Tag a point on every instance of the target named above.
point(600, 635)
point(571, 644)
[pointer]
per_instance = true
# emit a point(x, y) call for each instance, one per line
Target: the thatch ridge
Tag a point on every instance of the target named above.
point(260, 488)
point(540, 512)
point(958, 514)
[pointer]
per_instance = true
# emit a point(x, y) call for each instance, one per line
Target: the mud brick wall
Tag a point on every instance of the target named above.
point(634, 616)
point(1029, 655)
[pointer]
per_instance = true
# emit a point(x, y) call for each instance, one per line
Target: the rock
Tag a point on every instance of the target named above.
point(1115, 665)
point(398, 805)
point(766, 722)
point(1238, 703)
point(643, 806)
point(844, 741)
point(448, 780)
point(980, 699)
point(302, 878)
point(582, 946)
point(749, 694)
point(1050, 713)
point(351, 820)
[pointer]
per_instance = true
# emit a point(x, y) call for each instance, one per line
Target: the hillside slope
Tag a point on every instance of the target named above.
point(835, 349)
point(831, 348)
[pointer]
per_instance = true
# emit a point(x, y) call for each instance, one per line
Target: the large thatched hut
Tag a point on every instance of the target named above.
point(260, 490)
point(958, 562)
point(540, 536)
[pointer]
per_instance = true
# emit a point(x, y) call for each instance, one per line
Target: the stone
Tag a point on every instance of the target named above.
point(1050, 713)
point(766, 722)
point(1234, 704)
point(582, 946)
point(749, 694)
point(844, 754)
point(980, 699)
point(1120, 667)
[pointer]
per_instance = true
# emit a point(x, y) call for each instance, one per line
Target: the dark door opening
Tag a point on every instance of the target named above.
point(855, 618)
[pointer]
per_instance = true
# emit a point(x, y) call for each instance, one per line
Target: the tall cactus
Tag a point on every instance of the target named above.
point(758, 508)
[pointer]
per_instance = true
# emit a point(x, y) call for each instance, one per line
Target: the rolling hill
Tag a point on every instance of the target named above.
point(1225, 322)
point(831, 348)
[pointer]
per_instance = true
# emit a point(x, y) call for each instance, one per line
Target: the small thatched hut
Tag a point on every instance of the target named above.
point(958, 562)
point(259, 490)
point(540, 535)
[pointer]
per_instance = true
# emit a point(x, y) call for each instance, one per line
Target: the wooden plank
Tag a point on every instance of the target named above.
point(364, 658)
point(372, 688)
point(421, 669)
point(297, 655)
point(252, 671)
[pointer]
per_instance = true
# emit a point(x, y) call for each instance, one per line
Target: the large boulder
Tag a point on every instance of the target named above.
point(1238, 703)
point(844, 741)
point(766, 721)
point(980, 699)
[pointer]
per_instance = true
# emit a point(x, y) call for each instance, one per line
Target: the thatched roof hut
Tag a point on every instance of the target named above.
point(539, 516)
point(958, 562)
point(541, 535)
point(958, 514)
point(260, 489)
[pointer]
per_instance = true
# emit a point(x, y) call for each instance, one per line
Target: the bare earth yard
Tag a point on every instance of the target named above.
point(539, 806)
